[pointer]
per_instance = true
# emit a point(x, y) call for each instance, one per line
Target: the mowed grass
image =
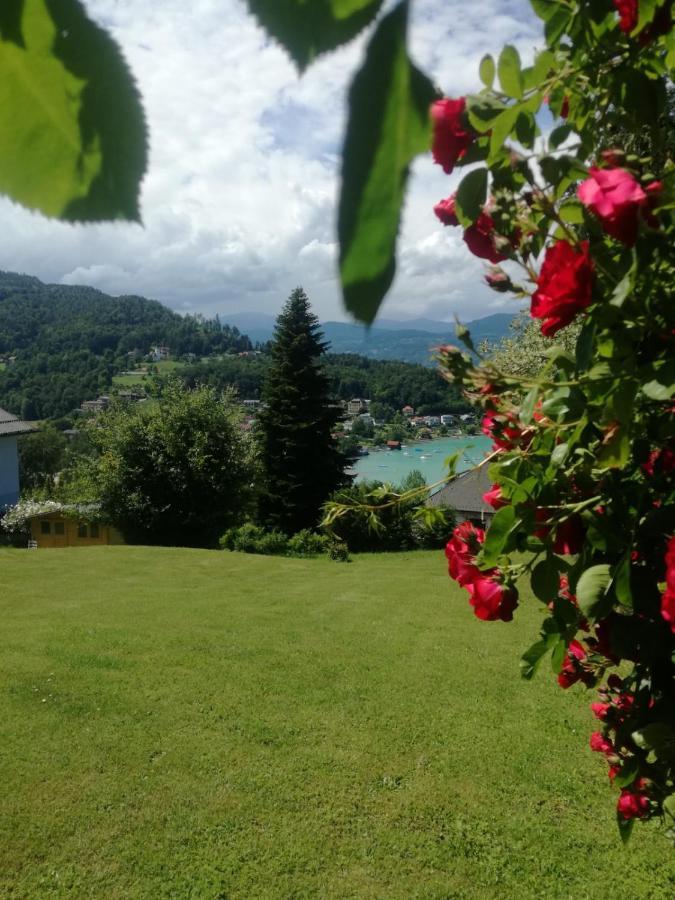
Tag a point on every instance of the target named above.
point(181, 723)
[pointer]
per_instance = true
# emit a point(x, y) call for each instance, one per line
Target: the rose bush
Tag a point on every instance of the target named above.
point(583, 465)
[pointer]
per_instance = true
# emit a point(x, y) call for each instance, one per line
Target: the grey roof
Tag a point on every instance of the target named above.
point(10, 424)
point(465, 492)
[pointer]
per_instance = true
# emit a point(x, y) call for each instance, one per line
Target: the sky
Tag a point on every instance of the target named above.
point(239, 202)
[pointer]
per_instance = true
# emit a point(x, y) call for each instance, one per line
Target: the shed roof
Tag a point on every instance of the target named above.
point(465, 492)
point(10, 424)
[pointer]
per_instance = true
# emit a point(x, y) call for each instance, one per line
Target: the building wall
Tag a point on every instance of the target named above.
point(70, 536)
point(9, 471)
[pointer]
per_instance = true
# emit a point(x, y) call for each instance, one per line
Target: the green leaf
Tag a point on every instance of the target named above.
point(592, 596)
point(545, 580)
point(510, 74)
point(646, 12)
point(625, 827)
point(669, 807)
point(545, 8)
point(559, 454)
point(572, 211)
point(308, 29)
point(482, 112)
point(658, 736)
point(486, 70)
point(558, 655)
point(559, 135)
point(545, 62)
point(502, 127)
point(629, 772)
point(556, 25)
point(530, 660)
point(662, 385)
point(526, 410)
point(622, 585)
point(72, 131)
point(388, 126)
point(471, 195)
point(496, 539)
point(526, 129)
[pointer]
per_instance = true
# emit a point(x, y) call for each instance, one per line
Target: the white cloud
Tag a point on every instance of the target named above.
point(240, 198)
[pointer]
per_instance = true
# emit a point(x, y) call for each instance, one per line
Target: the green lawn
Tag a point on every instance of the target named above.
point(181, 723)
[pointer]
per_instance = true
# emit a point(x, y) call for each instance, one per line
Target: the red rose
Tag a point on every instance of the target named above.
point(565, 108)
point(668, 599)
point(572, 670)
point(628, 14)
point(564, 286)
point(490, 599)
point(601, 744)
point(451, 139)
point(632, 804)
point(461, 551)
point(569, 535)
point(494, 498)
point(445, 211)
point(479, 238)
point(601, 710)
point(616, 199)
point(503, 429)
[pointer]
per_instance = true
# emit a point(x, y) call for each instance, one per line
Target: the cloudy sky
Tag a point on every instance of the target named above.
point(239, 201)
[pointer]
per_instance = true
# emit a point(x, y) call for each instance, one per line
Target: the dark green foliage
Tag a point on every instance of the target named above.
point(251, 538)
point(178, 474)
point(41, 456)
point(70, 341)
point(388, 125)
point(388, 529)
point(308, 29)
point(301, 463)
point(73, 130)
point(388, 382)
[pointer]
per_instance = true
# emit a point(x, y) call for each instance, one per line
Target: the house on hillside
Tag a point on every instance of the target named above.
point(356, 406)
point(10, 430)
point(465, 496)
point(159, 352)
point(408, 411)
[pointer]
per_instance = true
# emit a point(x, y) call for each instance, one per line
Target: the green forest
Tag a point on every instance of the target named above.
point(67, 343)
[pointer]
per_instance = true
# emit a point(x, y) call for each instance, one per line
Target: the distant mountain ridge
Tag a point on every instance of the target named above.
point(410, 340)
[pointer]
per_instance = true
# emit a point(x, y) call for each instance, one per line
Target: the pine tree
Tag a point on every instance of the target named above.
point(301, 462)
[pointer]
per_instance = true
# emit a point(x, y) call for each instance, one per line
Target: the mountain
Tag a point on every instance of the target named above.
point(410, 340)
point(66, 342)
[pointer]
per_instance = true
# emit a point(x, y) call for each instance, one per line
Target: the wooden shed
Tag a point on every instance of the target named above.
point(66, 529)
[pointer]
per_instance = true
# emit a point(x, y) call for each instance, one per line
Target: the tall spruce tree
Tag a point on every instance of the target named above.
point(301, 462)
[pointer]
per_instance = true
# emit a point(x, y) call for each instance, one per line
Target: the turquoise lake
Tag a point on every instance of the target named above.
point(427, 456)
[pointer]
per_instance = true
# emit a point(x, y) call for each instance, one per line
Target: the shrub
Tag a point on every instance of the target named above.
point(307, 543)
point(250, 538)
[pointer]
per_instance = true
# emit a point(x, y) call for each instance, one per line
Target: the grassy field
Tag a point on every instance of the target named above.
point(188, 724)
point(164, 367)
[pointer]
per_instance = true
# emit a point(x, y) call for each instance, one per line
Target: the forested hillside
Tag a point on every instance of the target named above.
point(68, 341)
point(389, 382)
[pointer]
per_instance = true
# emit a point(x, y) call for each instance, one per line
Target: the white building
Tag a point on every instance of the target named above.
point(10, 429)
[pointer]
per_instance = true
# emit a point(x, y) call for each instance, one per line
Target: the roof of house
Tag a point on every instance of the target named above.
point(465, 492)
point(10, 424)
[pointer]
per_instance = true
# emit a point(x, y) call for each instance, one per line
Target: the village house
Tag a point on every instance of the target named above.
point(160, 352)
point(465, 496)
point(357, 406)
point(95, 406)
point(408, 411)
point(10, 429)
